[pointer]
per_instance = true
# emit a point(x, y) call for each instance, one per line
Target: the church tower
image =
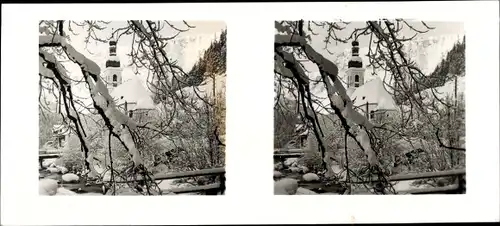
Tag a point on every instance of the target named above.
point(113, 72)
point(355, 70)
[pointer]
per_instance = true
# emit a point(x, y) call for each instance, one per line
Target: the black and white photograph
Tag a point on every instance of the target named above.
point(132, 107)
point(369, 107)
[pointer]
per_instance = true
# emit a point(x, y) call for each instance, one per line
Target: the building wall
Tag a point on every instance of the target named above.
point(108, 76)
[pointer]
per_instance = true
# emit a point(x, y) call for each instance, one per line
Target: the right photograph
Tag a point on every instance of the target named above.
point(369, 107)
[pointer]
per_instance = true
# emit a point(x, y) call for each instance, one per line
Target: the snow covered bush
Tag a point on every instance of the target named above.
point(311, 160)
point(46, 121)
point(72, 158)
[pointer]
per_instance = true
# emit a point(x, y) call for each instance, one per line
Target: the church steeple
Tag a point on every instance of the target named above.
point(113, 60)
point(113, 71)
point(355, 70)
point(355, 61)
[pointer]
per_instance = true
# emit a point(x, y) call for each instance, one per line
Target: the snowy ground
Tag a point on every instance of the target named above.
point(291, 164)
point(406, 185)
point(47, 184)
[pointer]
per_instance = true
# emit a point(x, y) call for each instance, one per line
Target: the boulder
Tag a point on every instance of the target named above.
point(62, 169)
point(47, 187)
point(278, 166)
point(47, 163)
point(310, 177)
point(277, 174)
point(70, 177)
point(53, 170)
point(290, 161)
point(64, 191)
point(295, 169)
point(286, 186)
point(304, 191)
point(304, 169)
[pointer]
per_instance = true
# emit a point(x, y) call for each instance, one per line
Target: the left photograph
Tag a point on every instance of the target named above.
point(132, 107)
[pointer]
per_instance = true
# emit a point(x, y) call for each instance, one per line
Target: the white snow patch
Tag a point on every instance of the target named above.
point(448, 89)
point(288, 162)
point(86, 63)
point(63, 191)
point(310, 177)
point(304, 191)
point(134, 93)
point(373, 91)
point(70, 177)
point(47, 187)
point(286, 186)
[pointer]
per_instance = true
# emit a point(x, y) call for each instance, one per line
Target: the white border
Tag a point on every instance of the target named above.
point(249, 197)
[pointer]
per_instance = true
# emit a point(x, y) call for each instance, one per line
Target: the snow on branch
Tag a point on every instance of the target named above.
point(44, 71)
point(73, 54)
point(117, 122)
point(337, 94)
point(282, 28)
point(331, 70)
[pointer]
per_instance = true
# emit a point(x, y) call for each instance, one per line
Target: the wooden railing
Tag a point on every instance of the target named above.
point(282, 155)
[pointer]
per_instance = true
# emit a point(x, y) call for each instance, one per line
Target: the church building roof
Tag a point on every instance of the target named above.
point(373, 91)
point(134, 93)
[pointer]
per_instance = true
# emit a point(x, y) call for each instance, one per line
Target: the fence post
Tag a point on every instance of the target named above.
point(222, 183)
point(461, 183)
point(40, 161)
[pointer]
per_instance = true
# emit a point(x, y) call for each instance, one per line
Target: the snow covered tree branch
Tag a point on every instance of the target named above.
point(117, 122)
point(339, 100)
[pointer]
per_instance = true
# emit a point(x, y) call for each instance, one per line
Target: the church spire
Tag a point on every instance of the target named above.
point(355, 61)
point(113, 60)
point(113, 72)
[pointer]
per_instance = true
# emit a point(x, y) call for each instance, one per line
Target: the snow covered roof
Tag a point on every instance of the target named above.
point(373, 91)
point(447, 89)
point(134, 93)
point(205, 88)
